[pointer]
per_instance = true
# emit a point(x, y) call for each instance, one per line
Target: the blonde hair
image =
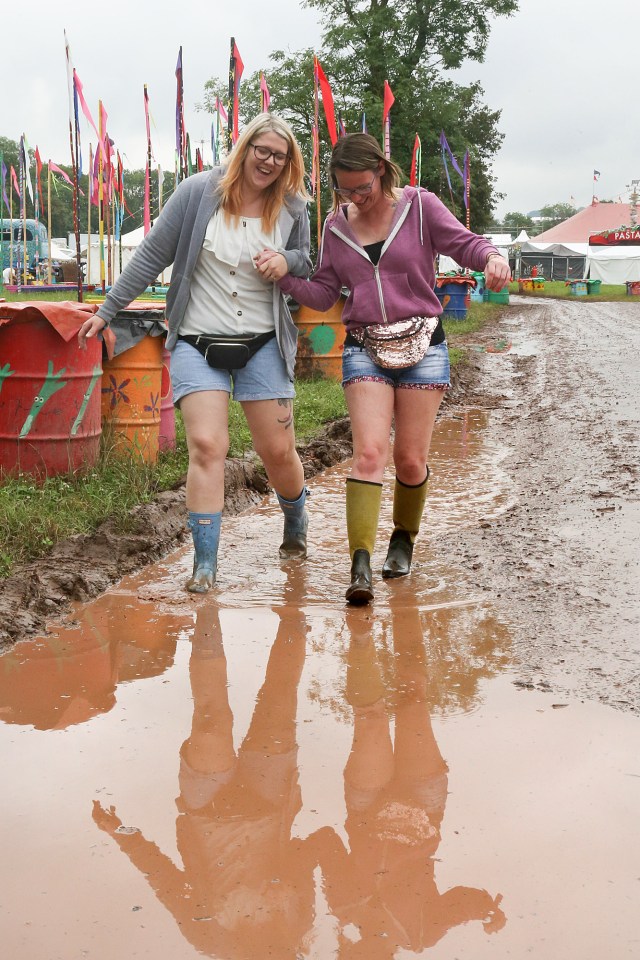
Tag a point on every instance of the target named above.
point(290, 181)
point(361, 151)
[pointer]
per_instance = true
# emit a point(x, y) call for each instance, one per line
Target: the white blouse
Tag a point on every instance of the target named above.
point(227, 294)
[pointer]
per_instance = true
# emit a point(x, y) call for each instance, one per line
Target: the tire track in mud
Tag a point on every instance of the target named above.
point(564, 558)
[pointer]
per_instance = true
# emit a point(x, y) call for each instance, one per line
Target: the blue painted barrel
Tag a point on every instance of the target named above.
point(453, 297)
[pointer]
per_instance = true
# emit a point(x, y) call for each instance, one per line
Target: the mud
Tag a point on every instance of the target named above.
point(265, 772)
point(559, 382)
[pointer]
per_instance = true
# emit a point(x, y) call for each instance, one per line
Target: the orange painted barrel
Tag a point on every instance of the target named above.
point(131, 388)
point(167, 438)
point(320, 343)
point(49, 400)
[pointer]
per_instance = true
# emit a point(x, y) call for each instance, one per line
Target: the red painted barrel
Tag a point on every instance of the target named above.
point(167, 439)
point(49, 400)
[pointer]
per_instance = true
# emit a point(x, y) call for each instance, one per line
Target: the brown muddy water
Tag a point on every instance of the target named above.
point(264, 773)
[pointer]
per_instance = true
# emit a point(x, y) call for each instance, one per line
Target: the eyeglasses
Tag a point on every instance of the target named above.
point(359, 191)
point(263, 153)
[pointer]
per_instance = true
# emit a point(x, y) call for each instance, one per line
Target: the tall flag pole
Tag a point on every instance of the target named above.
point(75, 156)
point(101, 198)
point(327, 100)
point(315, 170)
point(236, 67)
point(416, 163)
point(147, 171)
point(388, 102)
point(23, 210)
point(180, 166)
point(467, 189)
point(265, 96)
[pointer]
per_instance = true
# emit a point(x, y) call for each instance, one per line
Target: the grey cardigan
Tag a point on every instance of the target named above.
point(176, 238)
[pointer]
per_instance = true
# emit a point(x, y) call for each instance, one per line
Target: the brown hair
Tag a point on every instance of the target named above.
point(290, 181)
point(361, 151)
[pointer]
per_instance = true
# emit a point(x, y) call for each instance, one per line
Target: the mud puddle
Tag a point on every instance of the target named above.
point(266, 773)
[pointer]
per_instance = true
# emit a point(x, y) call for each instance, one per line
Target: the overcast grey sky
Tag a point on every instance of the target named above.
point(561, 72)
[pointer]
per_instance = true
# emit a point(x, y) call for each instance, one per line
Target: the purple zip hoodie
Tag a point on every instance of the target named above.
point(401, 284)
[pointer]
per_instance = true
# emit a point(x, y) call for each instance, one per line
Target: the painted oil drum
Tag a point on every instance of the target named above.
point(167, 436)
point(320, 343)
point(453, 297)
point(49, 400)
point(131, 391)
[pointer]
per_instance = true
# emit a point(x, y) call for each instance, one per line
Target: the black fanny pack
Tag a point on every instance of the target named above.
point(228, 353)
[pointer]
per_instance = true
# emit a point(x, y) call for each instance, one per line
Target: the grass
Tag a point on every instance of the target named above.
point(558, 289)
point(35, 516)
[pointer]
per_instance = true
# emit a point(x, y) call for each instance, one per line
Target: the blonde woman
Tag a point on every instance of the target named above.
point(229, 329)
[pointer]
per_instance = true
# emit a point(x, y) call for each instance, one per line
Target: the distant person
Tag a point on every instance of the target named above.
point(230, 329)
point(9, 276)
point(380, 242)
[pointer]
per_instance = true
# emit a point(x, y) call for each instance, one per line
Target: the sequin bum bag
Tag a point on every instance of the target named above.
point(397, 345)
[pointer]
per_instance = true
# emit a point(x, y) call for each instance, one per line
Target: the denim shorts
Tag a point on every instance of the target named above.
point(430, 373)
point(263, 378)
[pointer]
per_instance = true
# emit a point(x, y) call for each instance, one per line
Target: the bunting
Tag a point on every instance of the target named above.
point(322, 84)
point(416, 163)
point(388, 102)
point(265, 96)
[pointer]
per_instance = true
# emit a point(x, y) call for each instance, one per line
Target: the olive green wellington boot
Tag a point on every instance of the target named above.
point(363, 510)
point(408, 506)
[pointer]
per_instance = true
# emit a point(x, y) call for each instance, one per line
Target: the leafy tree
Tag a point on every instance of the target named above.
point(554, 213)
point(409, 43)
point(515, 222)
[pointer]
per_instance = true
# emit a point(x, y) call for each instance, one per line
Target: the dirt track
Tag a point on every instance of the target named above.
point(562, 558)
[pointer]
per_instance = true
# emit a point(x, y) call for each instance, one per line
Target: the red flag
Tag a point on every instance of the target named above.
point(238, 67)
point(388, 102)
point(327, 101)
point(14, 180)
point(417, 149)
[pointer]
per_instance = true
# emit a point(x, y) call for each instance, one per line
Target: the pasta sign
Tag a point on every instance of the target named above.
point(625, 236)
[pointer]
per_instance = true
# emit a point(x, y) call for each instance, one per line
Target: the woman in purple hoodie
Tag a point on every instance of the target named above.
point(380, 242)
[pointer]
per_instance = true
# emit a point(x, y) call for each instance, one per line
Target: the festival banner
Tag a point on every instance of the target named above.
point(322, 84)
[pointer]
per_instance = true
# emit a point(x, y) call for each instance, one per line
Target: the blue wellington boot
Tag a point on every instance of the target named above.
point(205, 529)
point(296, 523)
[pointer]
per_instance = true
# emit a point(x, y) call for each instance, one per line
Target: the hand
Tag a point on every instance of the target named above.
point(89, 329)
point(497, 273)
point(271, 265)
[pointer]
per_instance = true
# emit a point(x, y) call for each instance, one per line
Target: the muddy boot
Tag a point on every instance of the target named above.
point(363, 510)
point(296, 523)
point(408, 506)
point(205, 529)
point(399, 554)
point(360, 590)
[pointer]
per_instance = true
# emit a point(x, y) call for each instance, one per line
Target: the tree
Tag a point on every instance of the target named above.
point(554, 213)
point(515, 222)
point(409, 43)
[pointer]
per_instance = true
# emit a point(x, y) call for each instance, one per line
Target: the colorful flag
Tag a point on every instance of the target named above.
point(327, 100)
point(388, 102)
point(3, 178)
point(266, 96)
point(180, 131)
point(14, 181)
point(416, 163)
point(596, 174)
point(236, 69)
point(24, 147)
point(342, 130)
point(56, 169)
point(363, 122)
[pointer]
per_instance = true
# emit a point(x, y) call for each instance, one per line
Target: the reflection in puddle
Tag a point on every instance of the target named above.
point(266, 773)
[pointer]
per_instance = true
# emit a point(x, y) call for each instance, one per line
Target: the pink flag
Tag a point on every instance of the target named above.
point(83, 102)
point(266, 96)
point(56, 169)
point(238, 67)
point(14, 181)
